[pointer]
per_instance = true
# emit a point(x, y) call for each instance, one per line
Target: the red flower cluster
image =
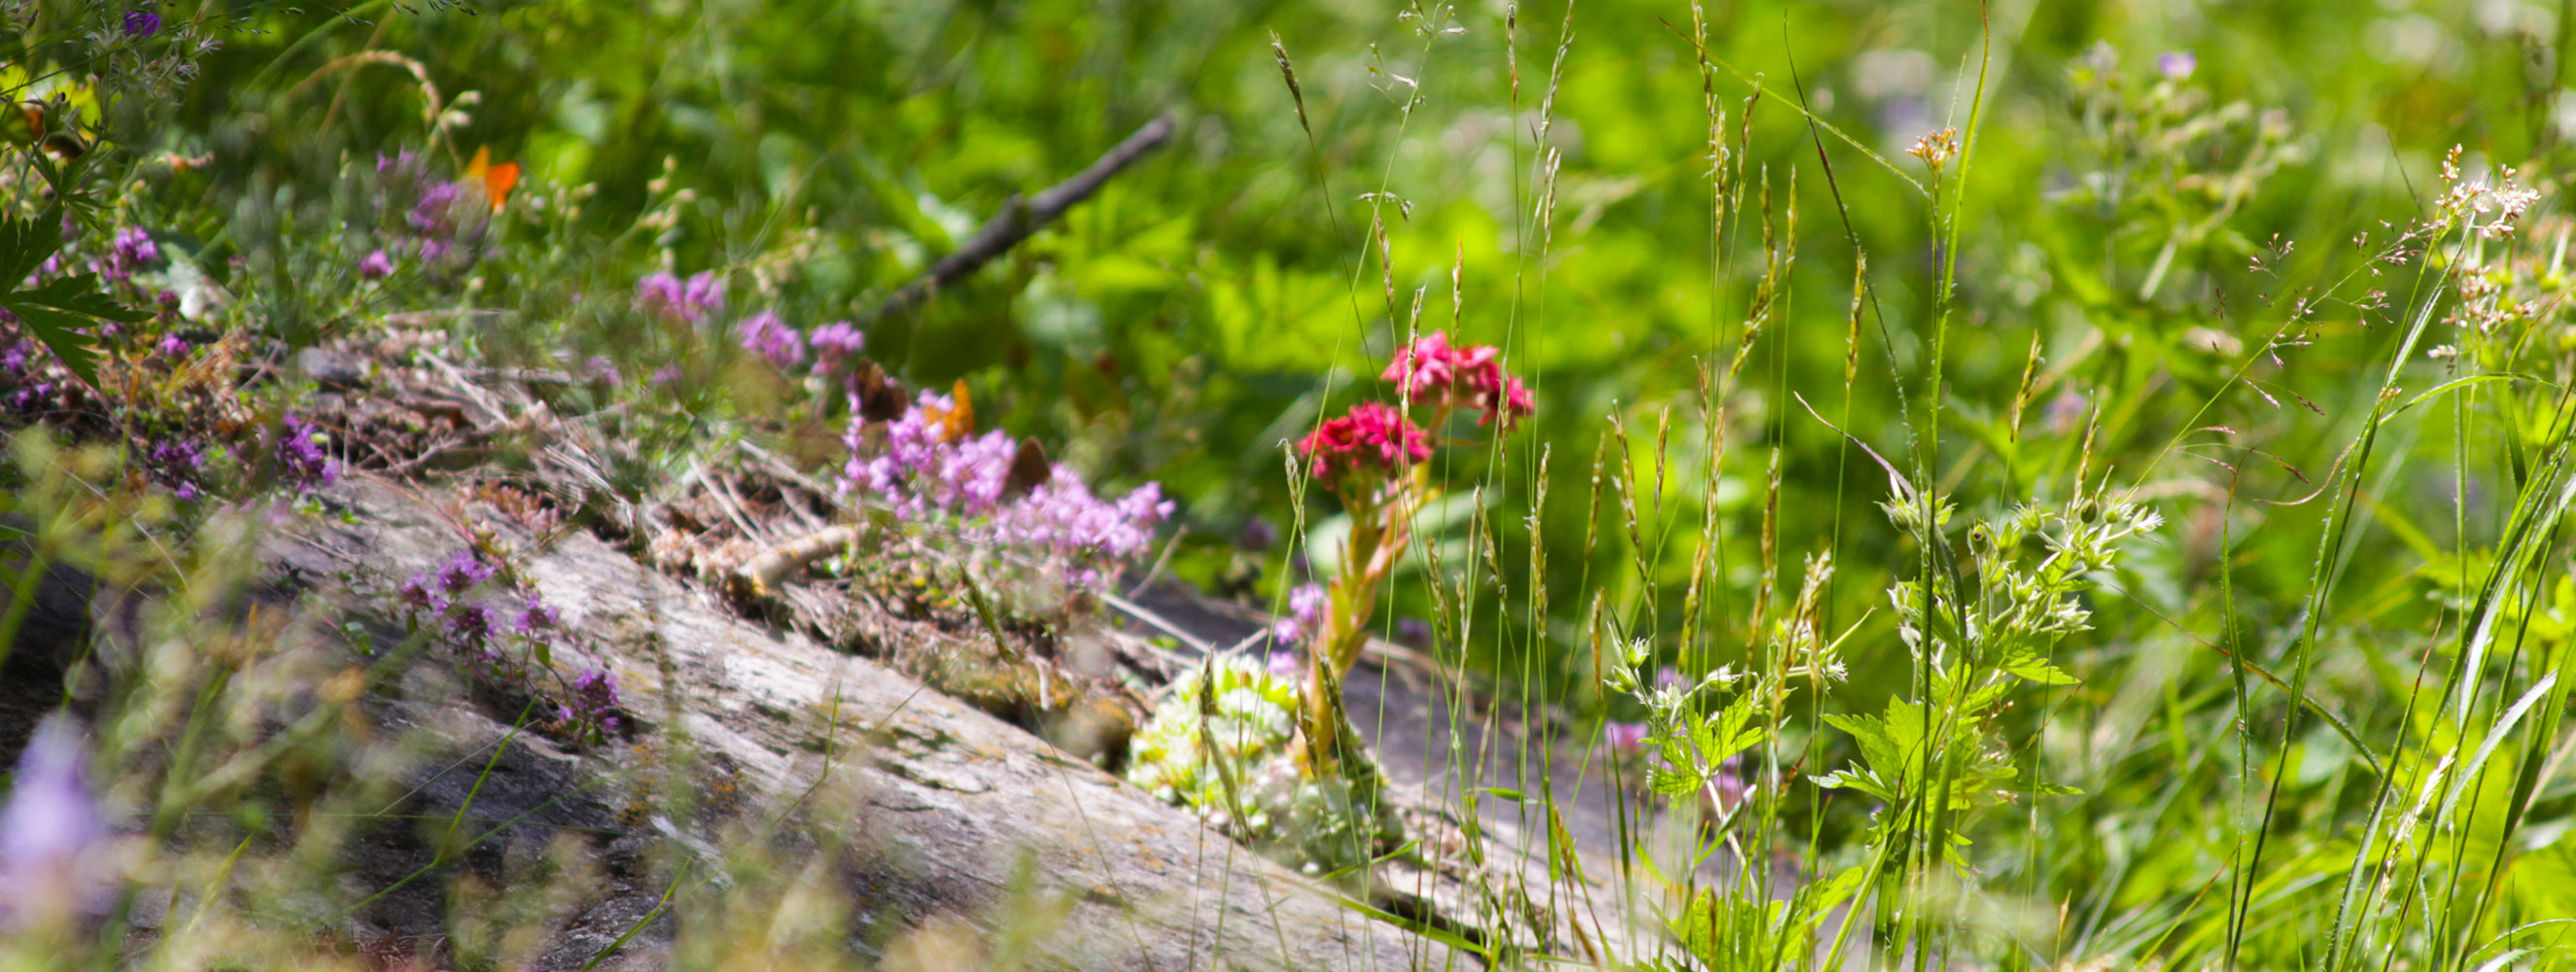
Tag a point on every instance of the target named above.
point(1373, 434)
point(1434, 372)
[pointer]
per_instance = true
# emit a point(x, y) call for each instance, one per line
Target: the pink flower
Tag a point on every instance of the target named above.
point(836, 342)
point(1434, 372)
point(675, 300)
point(1374, 434)
point(377, 265)
point(1626, 737)
point(764, 334)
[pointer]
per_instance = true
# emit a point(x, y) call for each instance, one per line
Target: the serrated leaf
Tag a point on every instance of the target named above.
point(2033, 668)
point(60, 332)
point(24, 245)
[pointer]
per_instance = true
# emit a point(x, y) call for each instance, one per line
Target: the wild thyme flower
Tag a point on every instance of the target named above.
point(836, 342)
point(1625, 737)
point(535, 615)
point(921, 468)
point(1284, 664)
point(141, 24)
point(1372, 436)
point(302, 461)
point(51, 830)
point(376, 265)
point(594, 701)
point(429, 216)
point(766, 335)
point(461, 572)
point(680, 301)
point(1307, 606)
point(1062, 517)
point(130, 251)
point(470, 623)
point(2177, 65)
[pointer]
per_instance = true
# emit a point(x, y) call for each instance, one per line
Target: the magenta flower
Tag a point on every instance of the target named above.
point(302, 462)
point(1625, 737)
point(1284, 664)
point(1373, 435)
point(1432, 371)
point(836, 342)
point(128, 252)
point(680, 301)
point(765, 335)
point(377, 265)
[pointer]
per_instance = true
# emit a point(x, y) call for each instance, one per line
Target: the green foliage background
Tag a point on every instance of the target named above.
point(2190, 254)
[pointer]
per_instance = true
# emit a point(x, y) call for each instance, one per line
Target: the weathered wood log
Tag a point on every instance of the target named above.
point(954, 806)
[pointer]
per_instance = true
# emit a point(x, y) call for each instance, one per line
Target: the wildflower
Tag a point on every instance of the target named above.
point(301, 460)
point(140, 24)
point(1413, 632)
point(1284, 664)
point(422, 593)
point(131, 249)
point(461, 572)
point(836, 342)
point(1257, 534)
point(471, 623)
point(1668, 677)
point(174, 346)
point(429, 215)
point(51, 831)
point(594, 700)
point(1936, 149)
point(376, 265)
point(680, 301)
point(1432, 371)
point(921, 468)
point(1625, 737)
point(1062, 517)
point(764, 334)
point(536, 615)
point(1373, 434)
point(1309, 605)
point(2176, 65)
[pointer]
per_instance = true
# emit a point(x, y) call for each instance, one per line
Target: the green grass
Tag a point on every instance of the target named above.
point(2312, 718)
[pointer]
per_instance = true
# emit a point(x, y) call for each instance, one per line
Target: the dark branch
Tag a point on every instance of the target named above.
point(1019, 218)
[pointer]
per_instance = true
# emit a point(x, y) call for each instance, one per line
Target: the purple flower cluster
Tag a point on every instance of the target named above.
point(51, 831)
point(442, 599)
point(436, 227)
point(926, 471)
point(836, 343)
point(680, 301)
point(1307, 607)
point(303, 463)
point(593, 703)
point(766, 335)
point(1061, 517)
point(177, 463)
point(922, 469)
point(1625, 737)
point(141, 24)
point(131, 249)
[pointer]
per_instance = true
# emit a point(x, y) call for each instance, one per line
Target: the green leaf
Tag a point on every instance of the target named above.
point(24, 245)
point(56, 312)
